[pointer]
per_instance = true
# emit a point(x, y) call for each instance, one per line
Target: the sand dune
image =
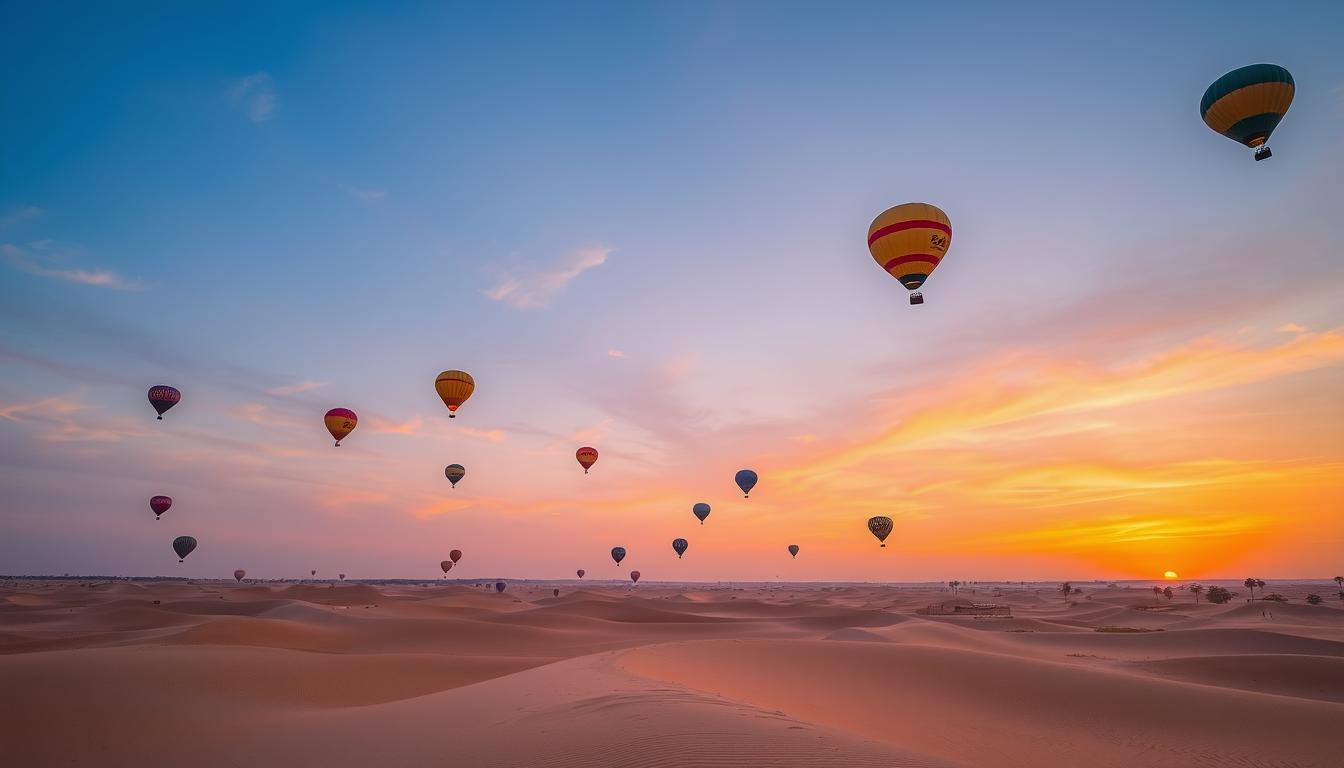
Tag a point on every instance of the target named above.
point(783, 675)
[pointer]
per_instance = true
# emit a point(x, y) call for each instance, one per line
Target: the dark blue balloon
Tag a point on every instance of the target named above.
point(499, 586)
point(618, 554)
point(701, 511)
point(183, 546)
point(680, 546)
point(746, 480)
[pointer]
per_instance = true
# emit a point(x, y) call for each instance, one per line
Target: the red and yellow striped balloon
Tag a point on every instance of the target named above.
point(340, 422)
point(587, 457)
point(454, 387)
point(910, 241)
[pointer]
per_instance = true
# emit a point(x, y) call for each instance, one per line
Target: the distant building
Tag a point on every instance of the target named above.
point(963, 607)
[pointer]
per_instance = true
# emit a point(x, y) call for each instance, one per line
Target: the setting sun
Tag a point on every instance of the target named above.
point(1169, 575)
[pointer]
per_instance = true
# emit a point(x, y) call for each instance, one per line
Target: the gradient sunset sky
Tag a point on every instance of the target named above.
point(641, 226)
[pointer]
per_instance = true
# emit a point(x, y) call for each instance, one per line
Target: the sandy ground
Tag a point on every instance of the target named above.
point(214, 674)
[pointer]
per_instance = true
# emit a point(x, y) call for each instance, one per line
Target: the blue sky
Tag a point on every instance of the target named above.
point(640, 225)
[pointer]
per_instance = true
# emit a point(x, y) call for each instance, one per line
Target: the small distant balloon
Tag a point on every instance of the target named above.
point(446, 565)
point(746, 480)
point(580, 572)
point(555, 592)
point(340, 422)
point(454, 472)
point(314, 573)
point(701, 511)
point(880, 527)
point(587, 457)
point(239, 574)
point(499, 586)
point(455, 555)
point(163, 397)
point(793, 550)
point(160, 504)
point(618, 554)
point(454, 387)
point(680, 546)
point(634, 576)
point(183, 546)
point(341, 576)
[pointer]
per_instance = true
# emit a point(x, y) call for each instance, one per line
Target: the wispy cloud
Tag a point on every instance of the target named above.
point(493, 435)
point(24, 213)
point(256, 94)
point(365, 194)
point(389, 427)
point(50, 406)
point(295, 389)
point(37, 258)
point(615, 353)
point(536, 288)
point(1292, 328)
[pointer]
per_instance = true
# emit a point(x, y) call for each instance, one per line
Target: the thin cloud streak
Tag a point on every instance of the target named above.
point(534, 289)
point(256, 94)
point(25, 260)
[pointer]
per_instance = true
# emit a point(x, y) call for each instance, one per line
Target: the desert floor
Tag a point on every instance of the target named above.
point(215, 674)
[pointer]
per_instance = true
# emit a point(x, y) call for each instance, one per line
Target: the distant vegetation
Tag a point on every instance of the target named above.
point(1314, 599)
point(1218, 595)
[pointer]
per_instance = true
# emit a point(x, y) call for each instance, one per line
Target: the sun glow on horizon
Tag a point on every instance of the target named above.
point(1170, 575)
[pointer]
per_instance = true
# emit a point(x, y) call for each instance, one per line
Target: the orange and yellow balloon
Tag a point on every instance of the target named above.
point(587, 457)
point(341, 422)
point(454, 387)
point(909, 242)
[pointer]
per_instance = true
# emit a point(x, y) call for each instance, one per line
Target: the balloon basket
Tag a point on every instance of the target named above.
point(916, 298)
point(160, 418)
point(1263, 153)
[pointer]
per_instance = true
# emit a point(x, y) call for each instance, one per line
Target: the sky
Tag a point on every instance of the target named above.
point(642, 227)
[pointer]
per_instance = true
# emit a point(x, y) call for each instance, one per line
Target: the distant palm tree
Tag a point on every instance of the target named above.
point(1157, 591)
point(1250, 584)
point(1196, 589)
point(1167, 593)
point(1260, 585)
point(1066, 588)
point(1339, 582)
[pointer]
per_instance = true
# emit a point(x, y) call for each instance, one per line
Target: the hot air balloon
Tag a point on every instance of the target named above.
point(634, 576)
point(499, 586)
point(314, 573)
point(701, 511)
point(746, 480)
point(555, 592)
point(160, 504)
point(680, 546)
point(587, 457)
point(881, 528)
point(340, 422)
point(239, 574)
point(341, 576)
point(793, 550)
point(183, 546)
point(454, 387)
point(618, 554)
point(163, 397)
point(455, 555)
point(446, 565)
point(1246, 104)
point(580, 572)
point(454, 472)
point(909, 241)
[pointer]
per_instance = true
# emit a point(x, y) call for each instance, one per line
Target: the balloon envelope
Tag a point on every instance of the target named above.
point(454, 387)
point(183, 546)
point(499, 586)
point(587, 457)
point(746, 480)
point(163, 397)
point(880, 527)
point(680, 546)
point(618, 554)
point(555, 592)
point(634, 576)
point(1246, 104)
point(454, 472)
point(239, 574)
point(580, 572)
point(341, 576)
point(314, 573)
point(455, 555)
point(701, 511)
point(909, 241)
point(340, 422)
point(446, 565)
point(160, 504)
point(793, 550)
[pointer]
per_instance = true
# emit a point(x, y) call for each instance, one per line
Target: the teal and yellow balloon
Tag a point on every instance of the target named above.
point(1246, 104)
